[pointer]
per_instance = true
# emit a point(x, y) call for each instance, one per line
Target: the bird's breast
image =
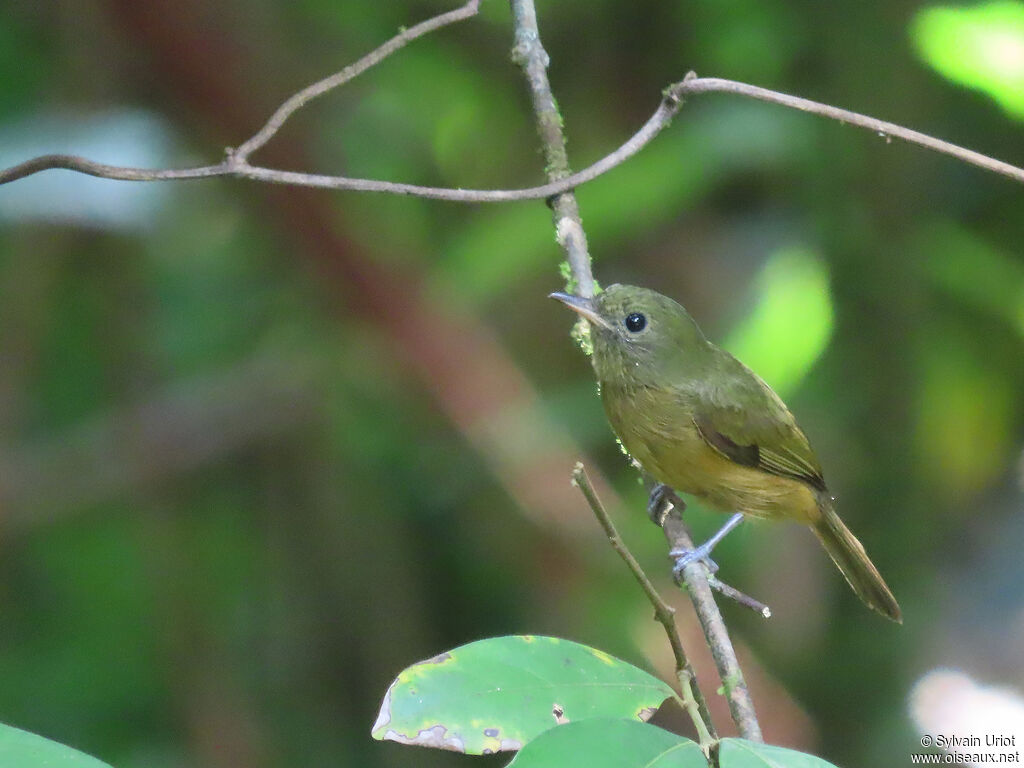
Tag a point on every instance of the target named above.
point(656, 427)
point(658, 431)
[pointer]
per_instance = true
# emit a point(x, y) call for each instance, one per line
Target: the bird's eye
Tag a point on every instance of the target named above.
point(635, 322)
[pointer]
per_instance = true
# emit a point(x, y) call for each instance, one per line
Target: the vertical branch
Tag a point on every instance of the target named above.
point(529, 54)
point(695, 576)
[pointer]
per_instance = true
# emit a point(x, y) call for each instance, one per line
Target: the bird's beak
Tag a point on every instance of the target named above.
point(583, 306)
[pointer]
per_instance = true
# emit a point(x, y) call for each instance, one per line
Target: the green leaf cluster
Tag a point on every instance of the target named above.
point(554, 702)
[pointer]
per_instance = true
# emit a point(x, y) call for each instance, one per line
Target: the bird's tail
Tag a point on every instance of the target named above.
point(849, 555)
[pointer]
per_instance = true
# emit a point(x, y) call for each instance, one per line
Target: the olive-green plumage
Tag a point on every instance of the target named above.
point(700, 421)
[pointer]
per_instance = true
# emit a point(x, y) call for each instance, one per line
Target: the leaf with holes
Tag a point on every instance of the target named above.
point(21, 749)
point(740, 753)
point(602, 742)
point(498, 694)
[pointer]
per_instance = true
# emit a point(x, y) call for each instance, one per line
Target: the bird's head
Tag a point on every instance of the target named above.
point(637, 333)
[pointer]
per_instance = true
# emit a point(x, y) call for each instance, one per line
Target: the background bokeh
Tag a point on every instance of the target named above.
point(261, 448)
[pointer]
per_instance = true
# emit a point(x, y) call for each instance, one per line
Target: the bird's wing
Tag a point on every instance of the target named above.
point(745, 421)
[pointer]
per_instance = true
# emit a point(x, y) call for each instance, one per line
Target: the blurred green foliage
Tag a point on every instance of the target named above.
point(242, 487)
point(980, 47)
point(790, 322)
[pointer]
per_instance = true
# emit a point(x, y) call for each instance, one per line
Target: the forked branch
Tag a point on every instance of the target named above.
point(236, 161)
point(692, 699)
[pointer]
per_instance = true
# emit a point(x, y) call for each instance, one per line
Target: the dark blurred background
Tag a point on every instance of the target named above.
point(261, 448)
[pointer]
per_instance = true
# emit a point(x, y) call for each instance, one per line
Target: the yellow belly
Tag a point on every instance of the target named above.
point(676, 454)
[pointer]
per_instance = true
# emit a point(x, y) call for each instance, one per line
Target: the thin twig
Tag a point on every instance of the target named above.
point(695, 576)
point(743, 599)
point(319, 88)
point(698, 85)
point(692, 699)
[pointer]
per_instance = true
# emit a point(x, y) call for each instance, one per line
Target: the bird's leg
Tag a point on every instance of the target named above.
point(660, 495)
point(686, 556)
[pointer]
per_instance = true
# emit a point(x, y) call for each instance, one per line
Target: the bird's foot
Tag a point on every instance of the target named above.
point(684, 557)
point(661, 495)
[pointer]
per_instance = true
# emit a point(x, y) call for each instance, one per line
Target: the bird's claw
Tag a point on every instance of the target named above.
point(660, 495)
point(684, 557)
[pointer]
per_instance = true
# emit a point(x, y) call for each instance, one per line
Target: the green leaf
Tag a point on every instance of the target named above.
point(614, 743)
point(740, 753)
point(501, 693)
point(21, 749)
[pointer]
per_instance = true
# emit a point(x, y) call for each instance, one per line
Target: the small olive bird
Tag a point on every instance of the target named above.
point(699, 421)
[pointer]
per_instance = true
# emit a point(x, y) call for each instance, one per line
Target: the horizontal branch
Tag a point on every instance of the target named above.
point(102, 171)
point(236, 164)
point(698, 85)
